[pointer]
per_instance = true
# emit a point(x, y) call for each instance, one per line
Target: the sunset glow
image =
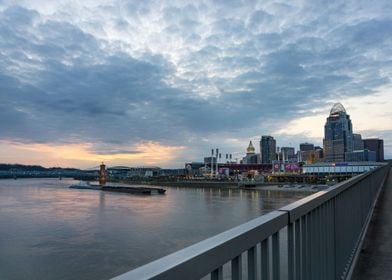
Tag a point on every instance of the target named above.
point(149, 153)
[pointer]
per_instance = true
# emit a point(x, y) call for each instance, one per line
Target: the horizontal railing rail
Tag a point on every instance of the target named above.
point(321, 234)
point(209, 255)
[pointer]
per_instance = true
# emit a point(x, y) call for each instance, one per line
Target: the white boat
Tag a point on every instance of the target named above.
point(81, 185)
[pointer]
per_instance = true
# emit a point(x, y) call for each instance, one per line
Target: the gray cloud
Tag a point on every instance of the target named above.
point(184, 72)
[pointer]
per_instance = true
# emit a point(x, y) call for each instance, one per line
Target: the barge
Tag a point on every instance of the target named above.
point(122, 189)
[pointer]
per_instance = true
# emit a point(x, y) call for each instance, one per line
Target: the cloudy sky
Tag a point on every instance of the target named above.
point(163, 82)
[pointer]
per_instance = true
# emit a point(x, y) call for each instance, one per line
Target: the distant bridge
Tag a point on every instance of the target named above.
point(96, 168)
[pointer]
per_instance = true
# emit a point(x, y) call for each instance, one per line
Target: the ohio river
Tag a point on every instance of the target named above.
point(48, 231)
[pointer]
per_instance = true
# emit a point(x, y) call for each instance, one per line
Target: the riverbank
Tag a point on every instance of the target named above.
point(228, 185)
point(214, 184)
point(291, 188)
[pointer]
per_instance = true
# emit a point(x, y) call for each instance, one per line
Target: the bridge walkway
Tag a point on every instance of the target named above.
point(375, 259)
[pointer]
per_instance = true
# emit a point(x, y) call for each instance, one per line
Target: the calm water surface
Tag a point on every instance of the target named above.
point(49, 231)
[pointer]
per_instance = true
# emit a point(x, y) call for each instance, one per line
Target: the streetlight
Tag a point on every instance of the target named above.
point(212, 163)
point(217, 155)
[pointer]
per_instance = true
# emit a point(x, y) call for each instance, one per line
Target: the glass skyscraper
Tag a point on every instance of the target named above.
point(376, 145)
point(338, 134)
point(267, 149)
point(357, 142)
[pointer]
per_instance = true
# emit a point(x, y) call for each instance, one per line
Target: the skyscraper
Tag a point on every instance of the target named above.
point(376, 145)
point(338, 134)
point(306, 147)
point(357, 142)
point(306, 152)
point(267, 149)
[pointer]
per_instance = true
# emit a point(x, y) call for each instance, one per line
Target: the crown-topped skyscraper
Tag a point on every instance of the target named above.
point(338, 134)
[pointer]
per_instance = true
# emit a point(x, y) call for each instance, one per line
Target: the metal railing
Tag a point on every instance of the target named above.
point(322, 234)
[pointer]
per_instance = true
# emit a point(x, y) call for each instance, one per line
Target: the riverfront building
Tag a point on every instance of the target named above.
point(339, 167)
point(376, 145)
point(251, 156)
point(306, 147)
point(361, 155)
point(338, 134)
point(288, 154)
point(306, 152)
point(267, 149)
point(357, 142)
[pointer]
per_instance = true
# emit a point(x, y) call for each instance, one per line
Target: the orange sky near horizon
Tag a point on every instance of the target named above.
point(82, 155)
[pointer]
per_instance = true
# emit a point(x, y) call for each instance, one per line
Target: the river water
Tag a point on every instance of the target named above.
point(48, 231)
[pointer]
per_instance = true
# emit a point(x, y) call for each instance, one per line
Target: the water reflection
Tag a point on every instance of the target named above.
point(52, 232)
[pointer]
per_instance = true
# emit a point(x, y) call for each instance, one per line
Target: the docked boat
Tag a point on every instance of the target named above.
point(140, 190)
point(82, 185)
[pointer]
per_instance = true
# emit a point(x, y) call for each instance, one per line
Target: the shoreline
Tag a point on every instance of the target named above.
point(223, 185)
point(286, 187)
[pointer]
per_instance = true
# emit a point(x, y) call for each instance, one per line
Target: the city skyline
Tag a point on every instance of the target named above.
point(159, 83)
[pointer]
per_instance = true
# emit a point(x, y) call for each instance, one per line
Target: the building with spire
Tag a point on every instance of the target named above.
point(338, 134)
point(251, 156)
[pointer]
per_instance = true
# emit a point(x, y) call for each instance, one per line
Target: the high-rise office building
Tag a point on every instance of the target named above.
point(306, 147)
point(357, 142)
point(376, 145)
point(267, 149)
point(306, 152)
point(338, 134)
point(318, 154)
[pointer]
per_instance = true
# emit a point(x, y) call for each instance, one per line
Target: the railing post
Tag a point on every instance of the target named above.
point(332, 240)
point(297, 250)
point(317, 240)
point(313, 244)
point(252, 263)
point(290, 250)
point(236, 268)
point(275, 256)
point(217, 274)
point(304, 245)
point(309, 246)
point(265, 265)
point(329, 242)
point(324, 241)
point(335, 249)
